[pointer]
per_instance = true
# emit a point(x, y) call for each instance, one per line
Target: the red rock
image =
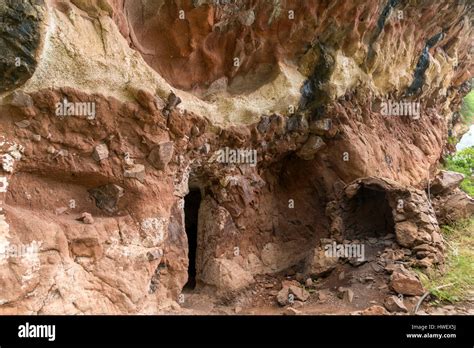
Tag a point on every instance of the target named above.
point(225, 75)
point(406, 282)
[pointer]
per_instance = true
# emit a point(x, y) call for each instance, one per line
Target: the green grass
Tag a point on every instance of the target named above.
point(463, 162)
point(459, 265)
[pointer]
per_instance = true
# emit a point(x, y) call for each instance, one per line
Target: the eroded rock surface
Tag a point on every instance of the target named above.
point(21, 31)
point(280, 115)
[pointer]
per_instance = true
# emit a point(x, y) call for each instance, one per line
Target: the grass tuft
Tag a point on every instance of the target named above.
point(459, 266)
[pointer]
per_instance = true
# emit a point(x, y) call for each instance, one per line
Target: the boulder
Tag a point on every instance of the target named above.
point(406, 282)
point(453, 206)
point(445, 181)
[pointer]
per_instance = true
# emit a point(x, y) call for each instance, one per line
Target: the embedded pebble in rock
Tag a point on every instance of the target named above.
point(161, 155)
point(100, 153)
point(87, 218)
point(137, 171)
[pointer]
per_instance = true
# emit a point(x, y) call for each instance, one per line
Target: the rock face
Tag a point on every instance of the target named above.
point(239, 136)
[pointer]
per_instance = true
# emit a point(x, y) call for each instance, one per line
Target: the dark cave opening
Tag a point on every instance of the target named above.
point(369, 215)
point(192, 202)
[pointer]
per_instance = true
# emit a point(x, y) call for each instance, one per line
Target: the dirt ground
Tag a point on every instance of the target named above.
point(368, 281)
point(323, 300)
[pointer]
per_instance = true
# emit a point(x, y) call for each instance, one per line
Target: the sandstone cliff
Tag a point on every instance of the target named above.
point(119, 109)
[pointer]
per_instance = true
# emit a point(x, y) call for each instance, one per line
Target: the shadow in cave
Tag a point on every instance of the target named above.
point(192, 202)
point(369, 215)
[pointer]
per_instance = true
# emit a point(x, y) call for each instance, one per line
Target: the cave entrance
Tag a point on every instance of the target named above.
point(369, 215)
point(192, 201)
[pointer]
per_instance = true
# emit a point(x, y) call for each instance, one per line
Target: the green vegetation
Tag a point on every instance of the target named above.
point(467, 109)
point(457, 279)
point(463, 162)
point(452, 140)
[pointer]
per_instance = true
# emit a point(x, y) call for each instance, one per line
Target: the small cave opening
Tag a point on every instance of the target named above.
point(192, 201)
point(369, 215)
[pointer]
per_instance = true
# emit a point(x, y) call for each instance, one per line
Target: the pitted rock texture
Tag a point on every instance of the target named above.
point(102, 195)
point(193, 44)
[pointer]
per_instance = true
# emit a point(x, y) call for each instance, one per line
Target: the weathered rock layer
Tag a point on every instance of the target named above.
point(132, 105)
